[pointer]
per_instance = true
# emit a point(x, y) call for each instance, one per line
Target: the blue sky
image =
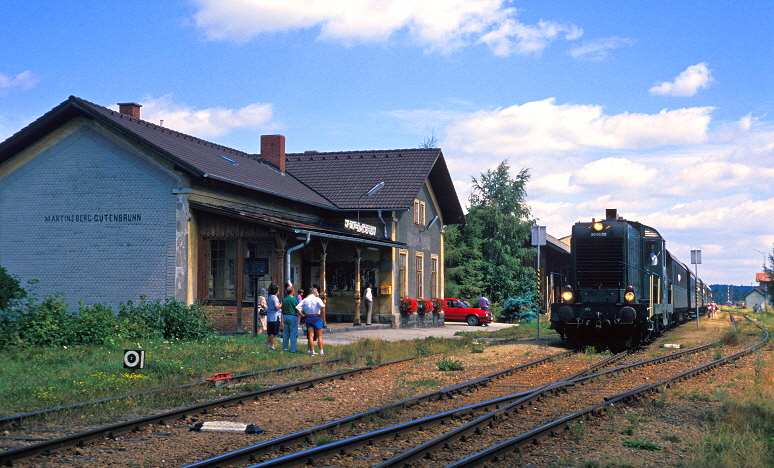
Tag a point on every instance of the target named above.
point(661, 109)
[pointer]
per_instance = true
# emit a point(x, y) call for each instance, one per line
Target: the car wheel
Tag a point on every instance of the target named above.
point(472, 320)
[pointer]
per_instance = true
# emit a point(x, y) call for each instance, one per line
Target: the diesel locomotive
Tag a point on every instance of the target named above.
point(624, 286)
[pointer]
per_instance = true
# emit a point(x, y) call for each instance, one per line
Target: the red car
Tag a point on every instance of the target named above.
point(459, 311)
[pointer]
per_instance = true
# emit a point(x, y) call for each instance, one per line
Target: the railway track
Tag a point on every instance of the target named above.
point(518, 394)
point(433, 436)
point(16, 419)
point(46, 447)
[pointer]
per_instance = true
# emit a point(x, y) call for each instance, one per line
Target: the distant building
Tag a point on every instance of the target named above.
point(755, 298)
point(105, 207)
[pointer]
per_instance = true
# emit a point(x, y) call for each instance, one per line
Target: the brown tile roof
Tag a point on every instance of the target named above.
point(345, 177)
point(329, 180)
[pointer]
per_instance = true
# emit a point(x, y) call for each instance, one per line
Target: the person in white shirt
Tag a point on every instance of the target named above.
point(313, 309)
point(369, 303)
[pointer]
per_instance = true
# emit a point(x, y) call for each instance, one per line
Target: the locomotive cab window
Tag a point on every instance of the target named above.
point(652, 250)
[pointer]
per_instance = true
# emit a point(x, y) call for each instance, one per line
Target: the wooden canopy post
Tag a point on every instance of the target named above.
point(357, 286)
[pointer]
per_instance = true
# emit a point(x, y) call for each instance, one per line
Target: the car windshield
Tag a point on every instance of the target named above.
point(463, 304)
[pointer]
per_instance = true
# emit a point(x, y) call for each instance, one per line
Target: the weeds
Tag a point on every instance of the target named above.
point(448, 364)
point(674, 438)
point(642, 444)
point(577, 429)
point(731, 338)
point(322, 439)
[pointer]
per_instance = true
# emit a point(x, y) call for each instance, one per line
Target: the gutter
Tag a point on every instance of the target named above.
point(379, 213)
point(291, 250)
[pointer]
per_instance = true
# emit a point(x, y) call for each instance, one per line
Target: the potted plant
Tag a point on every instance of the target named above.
point(408, 305)
point(439, 305)
point(427, 306)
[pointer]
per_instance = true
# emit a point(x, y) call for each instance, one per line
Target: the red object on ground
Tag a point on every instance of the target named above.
point(220, 376)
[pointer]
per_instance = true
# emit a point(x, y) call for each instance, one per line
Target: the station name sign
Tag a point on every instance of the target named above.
point(360, 227)
point(94, 218)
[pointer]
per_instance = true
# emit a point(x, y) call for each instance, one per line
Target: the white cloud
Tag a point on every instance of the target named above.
point(701, 186)
point(686, 83)
point(547, 127)
point(24, 80)
point(437, 24)
point(204, 123)
point(515, 36)
point(614, 172)
point(598, 49)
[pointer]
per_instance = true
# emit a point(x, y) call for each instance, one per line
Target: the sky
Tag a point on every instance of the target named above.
point(663, 110)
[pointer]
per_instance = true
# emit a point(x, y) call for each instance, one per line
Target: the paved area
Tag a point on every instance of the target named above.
point(346, 333)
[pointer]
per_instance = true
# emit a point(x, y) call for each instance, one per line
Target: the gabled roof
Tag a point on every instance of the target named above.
point(197, 157)
point(345, 177)
point(334, 181)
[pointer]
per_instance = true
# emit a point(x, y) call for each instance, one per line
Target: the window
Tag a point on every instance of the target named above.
point(420, 272)
point(434, 276)
point(419, 212)
point(402, 273)
point(222, 258)
point(258, 249)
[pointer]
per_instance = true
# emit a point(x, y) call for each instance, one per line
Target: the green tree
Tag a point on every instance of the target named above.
point(490, 254)
point(10, 289)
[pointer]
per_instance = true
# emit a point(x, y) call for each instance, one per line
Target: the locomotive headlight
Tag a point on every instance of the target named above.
point(598, 226)
point(567, 294)
point(629, 295)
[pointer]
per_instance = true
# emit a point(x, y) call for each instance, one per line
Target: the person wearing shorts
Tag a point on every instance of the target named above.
point(312, 308)
point(273, 316)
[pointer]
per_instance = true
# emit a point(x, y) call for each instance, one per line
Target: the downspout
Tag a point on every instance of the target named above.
point(291, 250)
point(379, 212)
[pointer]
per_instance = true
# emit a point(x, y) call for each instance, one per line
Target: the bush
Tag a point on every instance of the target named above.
point(170, 319)
point(520, 309)
point(45, 324)
point(96, 324)
point(28, 322)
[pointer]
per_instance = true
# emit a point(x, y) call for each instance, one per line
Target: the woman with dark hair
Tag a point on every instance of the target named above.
point(273, 316)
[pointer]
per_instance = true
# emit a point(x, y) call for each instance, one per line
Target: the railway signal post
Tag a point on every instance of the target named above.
point(538, 240)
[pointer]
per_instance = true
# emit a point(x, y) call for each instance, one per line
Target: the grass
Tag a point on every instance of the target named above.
point(40, 378)
point(521, 331)
point(642, 444)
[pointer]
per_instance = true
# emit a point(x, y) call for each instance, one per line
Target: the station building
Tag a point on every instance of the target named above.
point(104, 207)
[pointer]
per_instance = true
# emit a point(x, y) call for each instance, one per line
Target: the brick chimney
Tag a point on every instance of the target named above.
point(273, 150)
point(129, 108)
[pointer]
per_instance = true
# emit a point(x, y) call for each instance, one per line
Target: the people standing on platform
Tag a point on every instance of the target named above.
point(273, 316)
point(290, 319)
point(312, 308)
point(369, 303)
point(262, 306)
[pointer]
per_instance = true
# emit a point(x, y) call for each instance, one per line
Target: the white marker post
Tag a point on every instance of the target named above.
point(538, 240)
